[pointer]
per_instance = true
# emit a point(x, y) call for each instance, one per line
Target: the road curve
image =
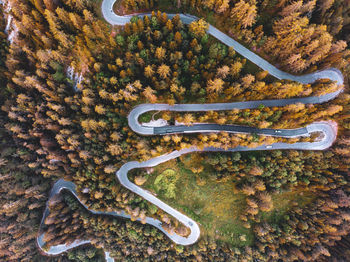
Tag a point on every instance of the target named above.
point(330, 73)
point(328, 129)
point(56, 250)
point(71, 187)
point(149, 130)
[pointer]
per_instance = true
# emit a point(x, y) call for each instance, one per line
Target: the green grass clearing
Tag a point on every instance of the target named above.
point(213, 205)
point(216, 206)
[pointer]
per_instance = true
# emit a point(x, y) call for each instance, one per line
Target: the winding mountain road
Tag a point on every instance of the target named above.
point(71, 187)
point(149, 130)
point(328, 129)
point(331, 73)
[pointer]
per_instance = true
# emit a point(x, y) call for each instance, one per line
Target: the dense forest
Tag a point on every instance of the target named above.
point(69, 79)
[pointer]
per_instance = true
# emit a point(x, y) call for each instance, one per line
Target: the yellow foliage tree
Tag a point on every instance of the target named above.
point(198, 28)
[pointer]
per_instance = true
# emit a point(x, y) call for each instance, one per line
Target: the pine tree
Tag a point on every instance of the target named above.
point(244, 13)
point(198, 28)
point(163, 71)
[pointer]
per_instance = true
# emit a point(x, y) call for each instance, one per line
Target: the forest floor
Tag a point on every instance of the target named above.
point(216, 205)
point(97, 6)
point(119, 9)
